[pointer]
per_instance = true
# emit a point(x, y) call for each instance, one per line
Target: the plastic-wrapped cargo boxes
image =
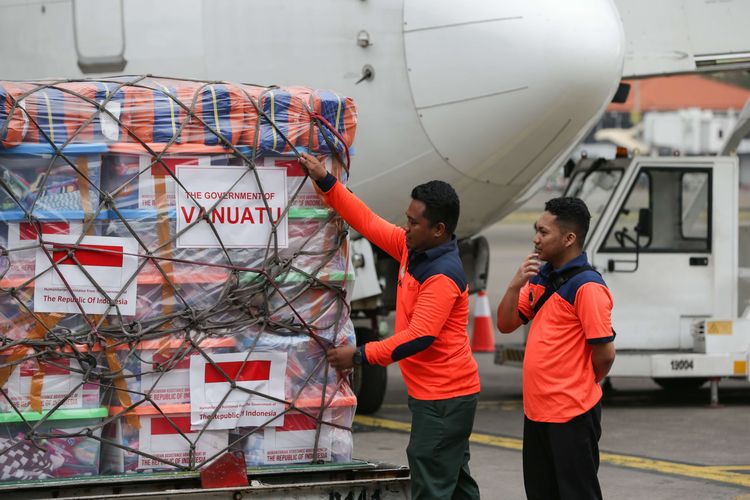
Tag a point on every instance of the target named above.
point(158, 439)
point(172, 279)
point(302, 439)
point(159, 370)
point(45, 191)
point(54, 444)
point(33, 381)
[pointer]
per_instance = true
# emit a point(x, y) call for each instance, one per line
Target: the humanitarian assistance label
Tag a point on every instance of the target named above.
point(71, 287)
point(294, 442)
point(263, 373)
point(24, 236)
point(59, 384)
point(242, 215)
point(165, 387)
point(168, 439)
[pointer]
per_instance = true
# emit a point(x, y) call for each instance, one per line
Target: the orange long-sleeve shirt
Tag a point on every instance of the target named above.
point(430, 342)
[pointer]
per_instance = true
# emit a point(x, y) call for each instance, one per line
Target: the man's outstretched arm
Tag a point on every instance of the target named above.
point(389, 237)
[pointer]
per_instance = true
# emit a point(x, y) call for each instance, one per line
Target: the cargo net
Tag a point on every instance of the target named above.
point(170, 279)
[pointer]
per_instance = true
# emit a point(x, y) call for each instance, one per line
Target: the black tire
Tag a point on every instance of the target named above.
point(686, 384)
point(370, 381)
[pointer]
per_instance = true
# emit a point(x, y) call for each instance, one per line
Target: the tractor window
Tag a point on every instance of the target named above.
point(680, 203)
point(695, 205)
point(595, 188)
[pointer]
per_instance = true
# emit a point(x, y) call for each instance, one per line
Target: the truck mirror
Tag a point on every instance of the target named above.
point(475, 256)
point(645, 223)
point(568, 168)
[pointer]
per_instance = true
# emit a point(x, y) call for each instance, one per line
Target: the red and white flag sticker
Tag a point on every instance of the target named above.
point(294, 442)
point(165, 387)
point(80, 266)
point(164, 169)
point(58, 384)
point(168, 437)
point(263, 373)
point(26, 234)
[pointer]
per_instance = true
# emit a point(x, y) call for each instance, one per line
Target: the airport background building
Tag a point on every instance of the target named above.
point(685, 114)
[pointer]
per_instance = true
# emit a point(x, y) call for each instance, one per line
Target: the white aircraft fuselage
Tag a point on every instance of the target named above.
point(486, 95)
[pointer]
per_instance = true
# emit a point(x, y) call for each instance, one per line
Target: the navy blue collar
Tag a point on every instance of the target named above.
point(440, 250)
point(579, 261)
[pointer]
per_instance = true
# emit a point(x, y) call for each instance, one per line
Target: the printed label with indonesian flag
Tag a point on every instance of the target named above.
point(58, 383)
point(26, 235)
point(294, 442)
point(263, 373)
point(307, 196)
point(243, 217)
point(164, 169)
point(168, 438)
point(167, 387)
point(107, 261)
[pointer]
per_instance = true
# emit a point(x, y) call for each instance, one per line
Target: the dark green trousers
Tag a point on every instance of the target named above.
point(438, 449)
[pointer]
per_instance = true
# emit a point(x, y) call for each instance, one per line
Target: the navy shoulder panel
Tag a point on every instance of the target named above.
point(448, 264)
point(569, 290)
point(537, 279)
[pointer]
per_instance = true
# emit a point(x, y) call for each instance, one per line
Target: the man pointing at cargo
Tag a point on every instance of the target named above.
point(430, 342)
point(568, 351)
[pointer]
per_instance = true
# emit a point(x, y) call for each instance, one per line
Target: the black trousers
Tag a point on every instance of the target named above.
point(438, 450)
point(561, 460)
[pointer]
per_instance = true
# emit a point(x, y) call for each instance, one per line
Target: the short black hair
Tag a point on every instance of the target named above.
point(441, 203)
point(571, 214)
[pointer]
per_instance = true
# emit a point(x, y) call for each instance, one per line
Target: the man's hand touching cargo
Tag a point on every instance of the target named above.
point(341, 358)
point(314, 167)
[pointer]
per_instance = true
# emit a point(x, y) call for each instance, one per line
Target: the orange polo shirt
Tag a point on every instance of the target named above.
point(430, 342)
point(558, 377)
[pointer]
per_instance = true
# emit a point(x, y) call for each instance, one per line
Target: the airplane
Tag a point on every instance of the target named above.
point(487, 95)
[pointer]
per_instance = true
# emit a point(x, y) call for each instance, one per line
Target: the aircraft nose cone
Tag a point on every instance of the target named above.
point(483, 74)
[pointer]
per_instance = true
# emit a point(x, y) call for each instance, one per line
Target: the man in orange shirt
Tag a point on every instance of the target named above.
point(569, 350)
point(430, 342)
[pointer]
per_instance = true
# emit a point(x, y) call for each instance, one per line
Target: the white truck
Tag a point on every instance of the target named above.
point(669, 239)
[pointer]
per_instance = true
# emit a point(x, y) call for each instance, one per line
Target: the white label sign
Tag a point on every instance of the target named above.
point(169, 387)
point(110, 123)
point(169, 440)
point(262, 372)
point(241, 219)
point(165, 170)
point(58, 383)
point(294, 442)
point(109, 262)
point(26, 234)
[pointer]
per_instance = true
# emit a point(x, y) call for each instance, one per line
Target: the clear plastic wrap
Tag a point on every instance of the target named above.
point(170, 280)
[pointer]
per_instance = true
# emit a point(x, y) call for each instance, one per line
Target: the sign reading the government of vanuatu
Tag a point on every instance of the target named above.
point(231, 199)
point(83, 271)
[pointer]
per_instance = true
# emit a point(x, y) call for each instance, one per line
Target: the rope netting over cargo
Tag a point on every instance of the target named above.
point(171, 279)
